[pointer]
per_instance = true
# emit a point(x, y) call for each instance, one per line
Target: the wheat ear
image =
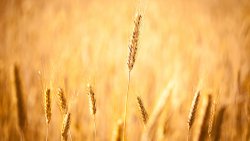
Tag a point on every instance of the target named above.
point(131, 60)
point(62, 101)
point(143, 111)
point(193, 109)
point(92, 105)
point(65, 127)
point(47, 109)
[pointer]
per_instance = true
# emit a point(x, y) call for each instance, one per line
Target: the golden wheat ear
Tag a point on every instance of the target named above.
point(47, 105)
point(92, 106)
point(65, 127)
point(193, 109)
point(133, 45)
point(62, 101)
point(92, 100)
point(143, 111)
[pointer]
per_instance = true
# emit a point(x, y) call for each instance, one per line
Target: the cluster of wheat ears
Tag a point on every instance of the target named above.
point(209, 121)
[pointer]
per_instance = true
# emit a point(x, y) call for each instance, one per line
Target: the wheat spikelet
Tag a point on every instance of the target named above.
point(92, 106)
point(92, 100)
point(47, 106)
point(193, 109)
point(62, 101)
point(20, 104)
point(65, 127)
point(202, 130)
point(134, 42)
point(142, 110)
point(117, 133)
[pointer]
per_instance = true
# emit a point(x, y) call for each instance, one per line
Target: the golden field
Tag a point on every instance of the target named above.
point(184, 46)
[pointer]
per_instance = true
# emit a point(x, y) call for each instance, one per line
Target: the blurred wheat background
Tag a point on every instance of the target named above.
point(195, 44)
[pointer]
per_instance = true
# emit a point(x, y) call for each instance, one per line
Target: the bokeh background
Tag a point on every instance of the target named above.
point(68, 43)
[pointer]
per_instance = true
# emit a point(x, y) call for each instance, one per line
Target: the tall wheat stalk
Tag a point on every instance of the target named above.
point(131, 60)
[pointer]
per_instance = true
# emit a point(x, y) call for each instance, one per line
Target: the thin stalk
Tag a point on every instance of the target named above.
point(47, 134)
point(94, 127)
point(125, 113)
point(70, 135)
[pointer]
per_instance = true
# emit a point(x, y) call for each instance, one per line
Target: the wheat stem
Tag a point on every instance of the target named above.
point(125, 113)
point(94, 127)
point(47, 133)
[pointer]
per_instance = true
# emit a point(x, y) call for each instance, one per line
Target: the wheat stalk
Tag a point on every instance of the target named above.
point(65, 127)
point(92, 105)
point(131, 60)
point(62, 101)
point(143, 111)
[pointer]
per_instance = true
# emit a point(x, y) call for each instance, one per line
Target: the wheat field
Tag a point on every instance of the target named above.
point(109, 70)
